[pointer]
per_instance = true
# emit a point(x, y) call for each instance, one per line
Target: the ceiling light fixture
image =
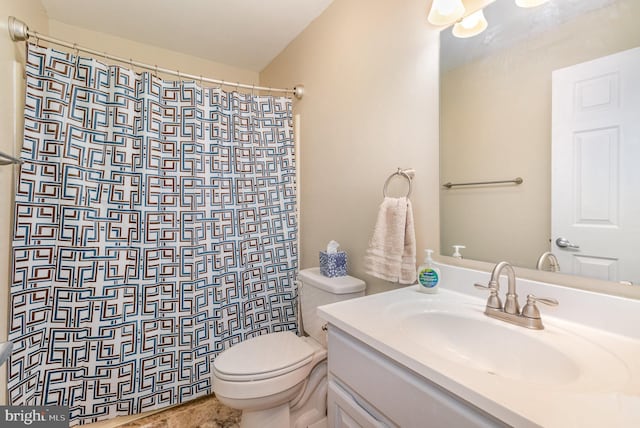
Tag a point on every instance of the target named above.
point(446, 12)
point(470, 25)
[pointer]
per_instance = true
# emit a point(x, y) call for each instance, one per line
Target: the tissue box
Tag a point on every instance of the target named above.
point(334, 264)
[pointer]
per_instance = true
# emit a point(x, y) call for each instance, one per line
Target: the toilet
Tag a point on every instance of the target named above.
point(279, 379)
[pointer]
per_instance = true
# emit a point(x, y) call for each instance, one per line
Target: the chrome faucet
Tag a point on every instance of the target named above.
point(529, 316)
point(554, 265)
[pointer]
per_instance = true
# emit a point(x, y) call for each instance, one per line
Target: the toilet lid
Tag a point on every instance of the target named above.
point(263, 357)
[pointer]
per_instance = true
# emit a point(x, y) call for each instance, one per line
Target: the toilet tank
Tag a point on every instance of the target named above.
point(316, 290)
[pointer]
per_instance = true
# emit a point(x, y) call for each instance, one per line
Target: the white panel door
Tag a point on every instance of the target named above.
point(596, 167)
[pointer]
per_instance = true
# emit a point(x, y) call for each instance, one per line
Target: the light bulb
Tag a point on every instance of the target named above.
point(470, 21)
point(447, 8)
point(445, 12)
point(471, 25)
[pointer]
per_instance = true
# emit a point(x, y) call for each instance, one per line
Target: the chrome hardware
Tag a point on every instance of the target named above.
point(554, 265)
point(511, 305)
point(565, 243)
point(531, 312)
point(18, 30)
point(494, 300)
point(530, 315)
point(408, 174)
point(516, 181)
point(6, 159)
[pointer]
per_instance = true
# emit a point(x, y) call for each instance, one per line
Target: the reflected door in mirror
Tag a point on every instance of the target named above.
point(595, 173)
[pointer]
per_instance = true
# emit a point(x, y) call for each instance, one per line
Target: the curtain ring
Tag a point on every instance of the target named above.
point(201, 84)
point(237, 86)
point(156, 68)
point(37, 39)
point(76, 52)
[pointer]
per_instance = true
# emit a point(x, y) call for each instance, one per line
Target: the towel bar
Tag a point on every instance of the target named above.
point(5, 159)
point(517, 180)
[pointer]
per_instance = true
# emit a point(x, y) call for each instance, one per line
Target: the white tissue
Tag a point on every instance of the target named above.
point(332, 247)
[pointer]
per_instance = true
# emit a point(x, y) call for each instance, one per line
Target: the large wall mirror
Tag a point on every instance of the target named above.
point(550, 94)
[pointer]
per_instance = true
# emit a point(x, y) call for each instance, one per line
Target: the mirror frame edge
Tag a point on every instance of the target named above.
point(570, 281)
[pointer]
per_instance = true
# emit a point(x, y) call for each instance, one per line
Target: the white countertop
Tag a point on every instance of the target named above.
point(605, 392)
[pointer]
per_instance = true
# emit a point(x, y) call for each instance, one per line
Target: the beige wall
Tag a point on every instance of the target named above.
point(150, 54)
point(496, 124)
point(371, 105)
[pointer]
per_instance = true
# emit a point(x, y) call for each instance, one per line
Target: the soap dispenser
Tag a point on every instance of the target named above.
point(428, 275)
point(456, 252)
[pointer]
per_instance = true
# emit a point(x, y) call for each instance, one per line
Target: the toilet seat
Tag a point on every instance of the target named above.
point(285, 362)
point(263, 357)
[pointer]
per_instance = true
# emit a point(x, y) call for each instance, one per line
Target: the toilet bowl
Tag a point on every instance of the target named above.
point(280, 379)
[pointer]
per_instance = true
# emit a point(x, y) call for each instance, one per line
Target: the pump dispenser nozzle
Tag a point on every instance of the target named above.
point(456, 253)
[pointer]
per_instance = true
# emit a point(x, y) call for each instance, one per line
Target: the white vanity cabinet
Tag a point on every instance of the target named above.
point(410, 359)
point(367, 389)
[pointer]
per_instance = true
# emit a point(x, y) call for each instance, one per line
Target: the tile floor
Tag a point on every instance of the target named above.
point(205, 412)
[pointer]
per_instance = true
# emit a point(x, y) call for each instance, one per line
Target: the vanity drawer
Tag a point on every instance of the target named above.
point(402, 396)
point(347, 410)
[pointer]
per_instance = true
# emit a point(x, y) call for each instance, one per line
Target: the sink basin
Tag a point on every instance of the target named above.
point(476, 342)
point(483, 345)
point(5, 351)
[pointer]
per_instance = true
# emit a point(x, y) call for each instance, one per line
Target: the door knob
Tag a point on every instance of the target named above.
point(565, 243)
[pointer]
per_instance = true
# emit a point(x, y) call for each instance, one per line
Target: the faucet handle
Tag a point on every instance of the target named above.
point(546, 300)
point(494, 300)
point(483, 287)
point(530, 310)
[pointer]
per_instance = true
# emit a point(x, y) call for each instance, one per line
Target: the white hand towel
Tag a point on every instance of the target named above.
point(392, 249)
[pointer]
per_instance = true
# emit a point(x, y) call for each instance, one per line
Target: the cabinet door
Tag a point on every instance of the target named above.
point(344, 411)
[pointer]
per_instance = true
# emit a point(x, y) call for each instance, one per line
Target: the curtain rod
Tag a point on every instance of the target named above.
point(19, 31)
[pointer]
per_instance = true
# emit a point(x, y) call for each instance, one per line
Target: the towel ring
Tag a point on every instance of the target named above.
point(407, 173)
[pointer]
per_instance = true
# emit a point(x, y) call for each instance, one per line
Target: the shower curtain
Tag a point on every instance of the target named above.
point(155, 226)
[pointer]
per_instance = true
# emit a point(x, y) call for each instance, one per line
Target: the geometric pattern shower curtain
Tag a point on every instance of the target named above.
point(155, 227)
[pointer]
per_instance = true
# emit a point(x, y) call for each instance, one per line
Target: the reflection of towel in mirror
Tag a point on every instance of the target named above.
point(392, 249)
